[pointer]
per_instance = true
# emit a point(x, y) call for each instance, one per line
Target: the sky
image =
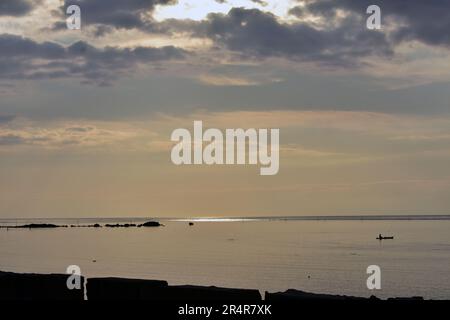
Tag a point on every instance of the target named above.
point(86, 115)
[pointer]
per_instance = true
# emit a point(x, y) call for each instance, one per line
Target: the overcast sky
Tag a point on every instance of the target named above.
point(86, 115)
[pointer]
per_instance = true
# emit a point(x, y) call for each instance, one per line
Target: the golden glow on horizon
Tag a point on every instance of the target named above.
point(362, 162)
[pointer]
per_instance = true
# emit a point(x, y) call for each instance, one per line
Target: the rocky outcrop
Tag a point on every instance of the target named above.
point(35, 226)
point(135, 289)
point(96, 225)
point(117, 225)
point(151, 224)
point(17, 286)
point(217, 294)
point(292, 295)
point(124, 289)
point(405, 299)
point(297, 295)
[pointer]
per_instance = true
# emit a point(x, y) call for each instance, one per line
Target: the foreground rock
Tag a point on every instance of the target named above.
point(405, 299)
point(292, 295)
point(17, 286)
point(199, 293)
point(124, 289)
point(135, 289)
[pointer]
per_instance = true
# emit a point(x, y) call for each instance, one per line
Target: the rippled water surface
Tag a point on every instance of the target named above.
point(318, 255)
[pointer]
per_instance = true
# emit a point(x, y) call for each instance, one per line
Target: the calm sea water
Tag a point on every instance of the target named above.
point(324, 255)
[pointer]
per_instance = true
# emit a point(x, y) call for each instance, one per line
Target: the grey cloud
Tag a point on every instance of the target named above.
point(17, 8)
point(426, 21)
point(257, 34)
point(297, 11)
point(6, 118)
point(18, 47)
point(80, 129)
point(340, 41)
point(23, 58)
point(60, 136)
point(260, 2)
point(107, 15)
point(11, 139)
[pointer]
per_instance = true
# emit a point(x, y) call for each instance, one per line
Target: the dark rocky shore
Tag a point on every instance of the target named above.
point(51, 226)
point(23, 286)
point(16, 286)
point(35, 226)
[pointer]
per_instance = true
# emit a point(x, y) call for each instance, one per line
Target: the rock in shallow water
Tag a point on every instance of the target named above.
point(151, 224)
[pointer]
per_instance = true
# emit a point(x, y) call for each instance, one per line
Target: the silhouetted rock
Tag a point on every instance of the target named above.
point(295, 295)
point(117, 225)
point(39, 225)
point(405, 299)
point(125, 289)
point(127, 225)
point(35, 226)
point(17, 286)
point(136, 289)
point(151, 224)
point(199, 293)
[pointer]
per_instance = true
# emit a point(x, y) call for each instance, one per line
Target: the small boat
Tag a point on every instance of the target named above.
point(380, 237)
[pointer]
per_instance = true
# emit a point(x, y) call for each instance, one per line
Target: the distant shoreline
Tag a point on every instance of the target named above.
point(96, 225)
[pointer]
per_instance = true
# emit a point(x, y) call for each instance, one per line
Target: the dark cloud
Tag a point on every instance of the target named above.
point(338, 41)
point(426, 21)
point(257, 34)
point(80, 129)
point(17, 7)
point(10, 139)
point(260, 2)
point(341, 41)
point(107, 15)
point(22, 58)
point(18, 47)
point(6, 118)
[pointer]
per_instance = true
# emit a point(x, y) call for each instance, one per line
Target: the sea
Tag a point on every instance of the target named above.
point(320, 254)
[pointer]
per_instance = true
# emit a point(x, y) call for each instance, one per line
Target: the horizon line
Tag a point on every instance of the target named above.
point(255, 218)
